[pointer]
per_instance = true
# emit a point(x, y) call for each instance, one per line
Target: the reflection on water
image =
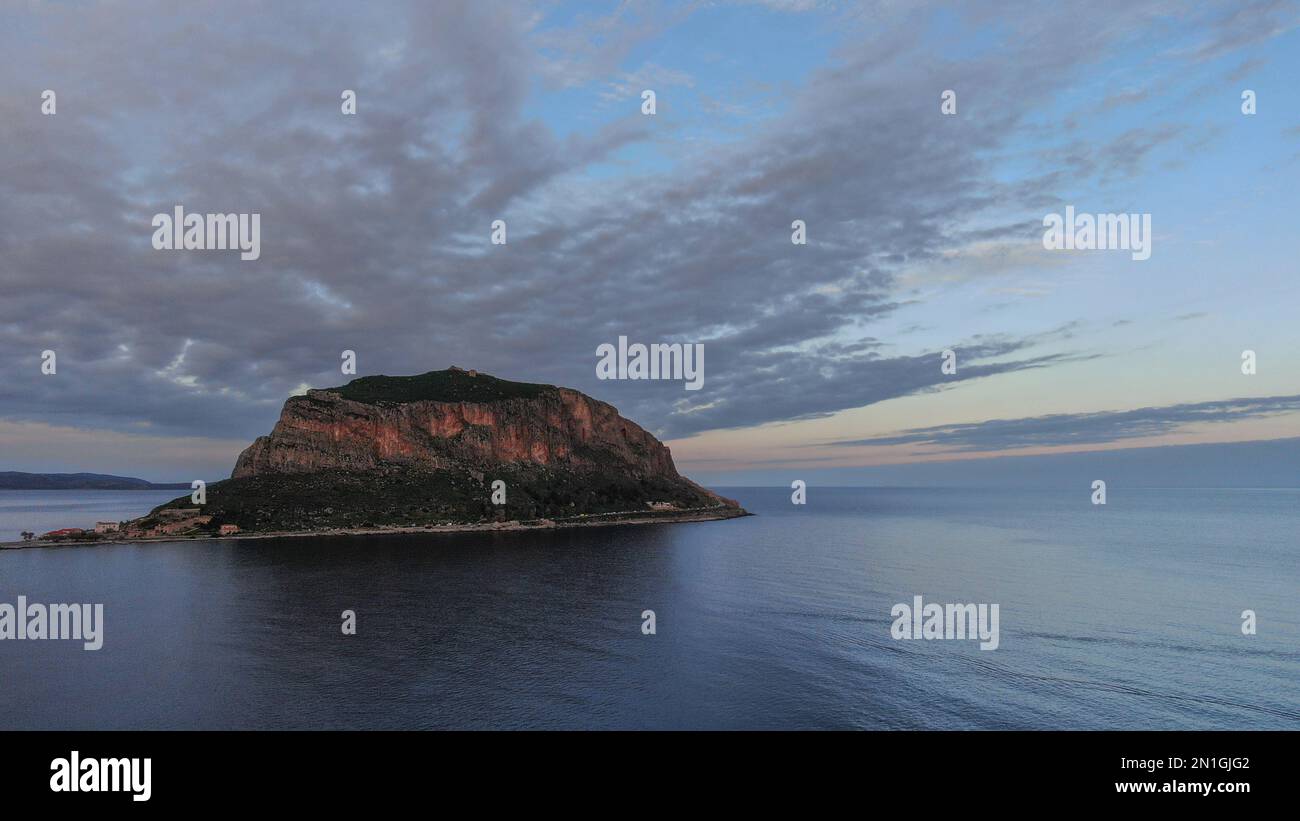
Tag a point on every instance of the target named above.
point(1122, 616)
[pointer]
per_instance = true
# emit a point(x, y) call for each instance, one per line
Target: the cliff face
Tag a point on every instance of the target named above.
point(395, 426)
point(422, 451)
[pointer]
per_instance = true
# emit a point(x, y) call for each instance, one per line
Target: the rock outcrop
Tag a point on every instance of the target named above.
point(423, 451)
point(449, 419)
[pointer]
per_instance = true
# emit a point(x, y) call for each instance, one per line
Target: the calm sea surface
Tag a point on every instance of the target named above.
point(41, 511)
point(1122, 616)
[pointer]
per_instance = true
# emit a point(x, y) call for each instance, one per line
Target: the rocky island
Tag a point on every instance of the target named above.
point(451, 449)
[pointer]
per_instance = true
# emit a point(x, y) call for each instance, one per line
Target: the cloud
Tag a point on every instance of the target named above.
point(375, 226)
point(648, 76)
point(594, 47)
point(1099, 427)
point(1244, 25)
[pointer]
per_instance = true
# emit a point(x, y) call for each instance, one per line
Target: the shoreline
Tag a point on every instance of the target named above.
point(702, 514)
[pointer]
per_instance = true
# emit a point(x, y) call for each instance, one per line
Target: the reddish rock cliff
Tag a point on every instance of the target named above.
point(424, 451)
point(396, 425)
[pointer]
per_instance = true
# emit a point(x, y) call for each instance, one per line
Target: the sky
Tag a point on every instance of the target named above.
point(823, 360)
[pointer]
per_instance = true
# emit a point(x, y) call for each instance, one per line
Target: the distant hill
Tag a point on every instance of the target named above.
point(14, 480)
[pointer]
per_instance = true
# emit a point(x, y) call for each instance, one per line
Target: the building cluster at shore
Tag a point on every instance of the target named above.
point(167, 522)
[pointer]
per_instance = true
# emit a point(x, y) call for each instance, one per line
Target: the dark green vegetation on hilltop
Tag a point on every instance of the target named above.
point(402, 497)
point(451, 385)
